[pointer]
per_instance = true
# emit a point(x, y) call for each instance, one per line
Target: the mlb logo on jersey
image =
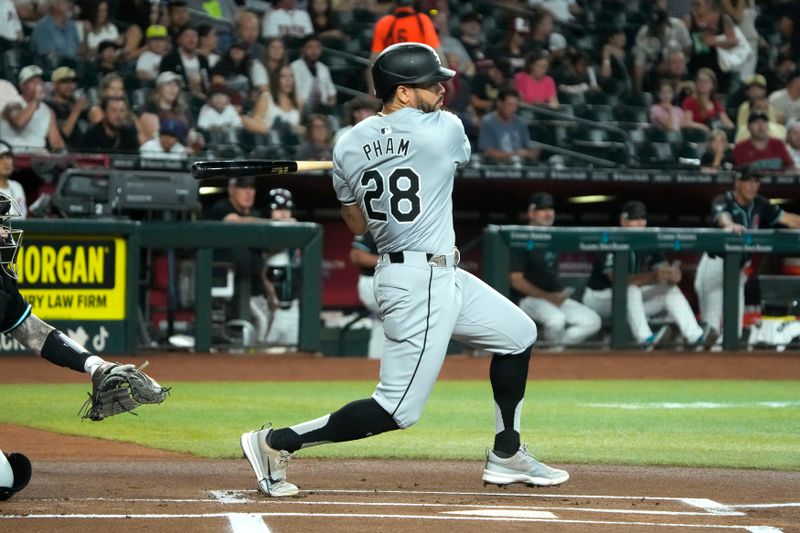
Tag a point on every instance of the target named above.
point(386, 131)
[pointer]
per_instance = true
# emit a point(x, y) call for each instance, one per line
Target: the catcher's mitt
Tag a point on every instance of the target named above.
point(119, 389)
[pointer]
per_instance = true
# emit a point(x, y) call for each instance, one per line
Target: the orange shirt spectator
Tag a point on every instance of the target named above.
point(404, 24)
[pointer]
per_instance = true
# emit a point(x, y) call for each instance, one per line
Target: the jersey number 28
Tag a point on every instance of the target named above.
point(403, 185)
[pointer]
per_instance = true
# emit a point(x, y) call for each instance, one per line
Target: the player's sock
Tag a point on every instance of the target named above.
point(508, 375)
point(63, 351)
point(356, 420)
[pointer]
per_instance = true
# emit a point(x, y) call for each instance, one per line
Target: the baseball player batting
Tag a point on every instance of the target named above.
point(393, 174)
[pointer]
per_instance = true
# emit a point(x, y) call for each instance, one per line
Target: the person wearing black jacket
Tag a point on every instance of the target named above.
point(187, 63)
point(112, 133)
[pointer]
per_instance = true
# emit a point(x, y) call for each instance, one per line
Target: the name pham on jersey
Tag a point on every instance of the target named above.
point(387, 146)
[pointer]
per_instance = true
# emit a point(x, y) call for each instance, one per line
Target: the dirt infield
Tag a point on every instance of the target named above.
point(87, 485)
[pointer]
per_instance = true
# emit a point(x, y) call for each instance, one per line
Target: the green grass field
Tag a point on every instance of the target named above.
point(749, 424)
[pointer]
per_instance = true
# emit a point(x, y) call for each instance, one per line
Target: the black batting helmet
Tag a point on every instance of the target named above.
point(405, 64)
point(280, 199)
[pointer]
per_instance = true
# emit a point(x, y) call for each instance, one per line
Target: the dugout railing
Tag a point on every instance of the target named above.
point(498, 241)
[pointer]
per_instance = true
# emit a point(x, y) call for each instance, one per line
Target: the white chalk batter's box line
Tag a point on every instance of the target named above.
point(241, 522)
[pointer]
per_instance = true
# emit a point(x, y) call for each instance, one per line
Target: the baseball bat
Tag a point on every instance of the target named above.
point(253, 168)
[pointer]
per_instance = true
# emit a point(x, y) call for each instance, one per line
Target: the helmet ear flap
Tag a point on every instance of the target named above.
point(17, 467)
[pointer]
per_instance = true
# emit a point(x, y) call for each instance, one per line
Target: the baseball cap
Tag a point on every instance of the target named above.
point(156, 31)
point(634, 210)
point(31, 71)
point(541, 200)
point(172, 126)
point(756, 79)
point(472, 16)
point(107, 44)
point(748, 173)
point(62, 74)
point(5, 148)
point(166, 77)
point(757, 115)
point(280, 199)
point(242, 182)
point(240, 44)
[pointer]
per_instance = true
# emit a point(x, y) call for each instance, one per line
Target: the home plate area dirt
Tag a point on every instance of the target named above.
point(89, 485)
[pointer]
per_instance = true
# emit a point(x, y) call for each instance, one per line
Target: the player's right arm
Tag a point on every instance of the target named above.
point(354, 218)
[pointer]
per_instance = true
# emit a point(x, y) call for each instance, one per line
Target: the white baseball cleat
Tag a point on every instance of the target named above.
point(521, 468)
point(269, 464)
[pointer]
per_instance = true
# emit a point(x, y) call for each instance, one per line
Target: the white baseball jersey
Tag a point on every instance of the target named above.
point(399, 168)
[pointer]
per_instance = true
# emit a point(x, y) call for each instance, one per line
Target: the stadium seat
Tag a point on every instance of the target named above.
point(596, 113)
point(657, 155)
point(691, 150)
point(636, 115)
point(694, 135)
point(600, 98)
point(571, 98)
point(657, 135)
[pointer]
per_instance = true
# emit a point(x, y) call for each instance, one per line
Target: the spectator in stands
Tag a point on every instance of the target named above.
point(793, 140)
point(357, 109)
point(208, 43)
point(112, 85)
point(738, 210)
point(315, 86)
point(760, 152)
point(8, 186)
point(562, 10)
point(775, 130)
point(168, 144)
point(318, 143)
point(11, 33)
point(492, 76)
point(503, 135)
point(139, 15)
point(69, 106)
point(534, 85)
point(112, 134)
point(234, 69)
point(786, 101)
point(248, 29)
point(279, 111)
point(28, 124)
point(674, 71)
point(744, 13)
point(664, 114)
point(538, 290)
point(107, 59)
point(654, 41)
point(274, 57)
point(790, 25)
point(613, 75)
point(178, 17)
point(164, 102)
point(325, 21)
point(514, 47)
point(187, 63)
point(703, 106)
point(364, 255)
point(96, 28)
point(472, 36)
point(755, 89)
point(652, 289)
point(710, 29)
point(451, 46)
point(148, 65)
point(286, 21)
point(542, 35)
point(219, 114)
point(404, 24)
point(718, 153)
point(576, 75)
point(56, 34)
